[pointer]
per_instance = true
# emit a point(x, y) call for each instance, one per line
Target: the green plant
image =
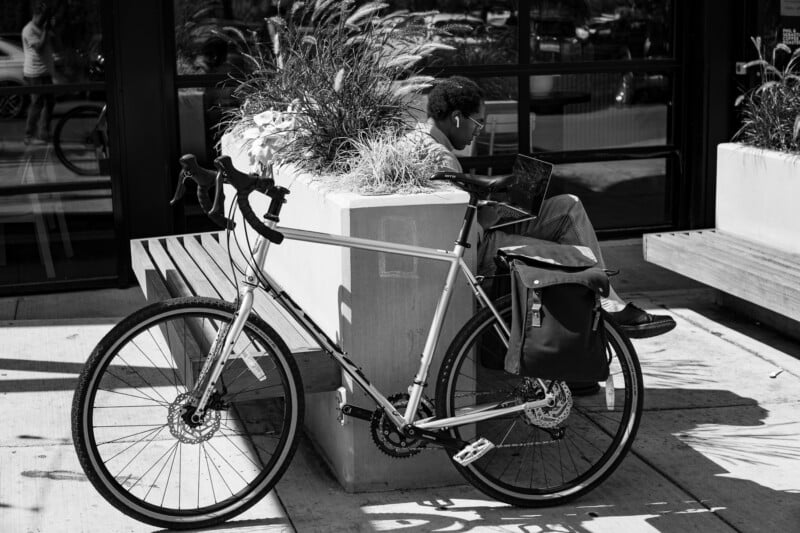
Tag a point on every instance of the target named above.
point(342, 71)
point(771, 111)
point(393, 162)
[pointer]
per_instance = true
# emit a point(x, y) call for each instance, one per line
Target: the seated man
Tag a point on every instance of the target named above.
point(455, 116)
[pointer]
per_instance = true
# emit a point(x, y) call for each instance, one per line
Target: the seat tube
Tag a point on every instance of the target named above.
point(415, 394)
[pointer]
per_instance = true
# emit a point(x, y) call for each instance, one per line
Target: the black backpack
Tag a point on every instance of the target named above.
point(557, 329)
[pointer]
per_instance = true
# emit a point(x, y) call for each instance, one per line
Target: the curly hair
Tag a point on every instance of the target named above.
point(456, 93)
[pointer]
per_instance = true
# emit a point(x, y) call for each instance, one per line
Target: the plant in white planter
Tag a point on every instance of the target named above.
point(758, 178)
point(328, 105)
point(339, 74)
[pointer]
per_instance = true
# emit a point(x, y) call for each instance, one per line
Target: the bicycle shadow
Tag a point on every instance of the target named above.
point(689, 470)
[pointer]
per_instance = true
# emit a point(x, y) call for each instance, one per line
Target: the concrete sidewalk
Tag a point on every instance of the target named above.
point(718, 449)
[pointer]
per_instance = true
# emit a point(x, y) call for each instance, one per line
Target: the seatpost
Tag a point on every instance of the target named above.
point(469, 217)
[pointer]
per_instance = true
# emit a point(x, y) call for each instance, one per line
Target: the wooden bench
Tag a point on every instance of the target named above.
point(199, 265)
point(766, 277)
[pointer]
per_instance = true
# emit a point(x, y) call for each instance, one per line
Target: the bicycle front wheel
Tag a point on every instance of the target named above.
point(541, 456)
point(79, 139)
point(157, 465)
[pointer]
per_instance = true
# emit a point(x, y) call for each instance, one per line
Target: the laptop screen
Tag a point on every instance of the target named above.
point(529, 186)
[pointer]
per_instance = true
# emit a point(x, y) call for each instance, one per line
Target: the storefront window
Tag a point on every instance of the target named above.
point(56, 220)
point(598, 30)
point(617, 194)
point(598, 111)
point(567, 111)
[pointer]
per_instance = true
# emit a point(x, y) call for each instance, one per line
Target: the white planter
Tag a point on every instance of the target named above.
point(757, 195)
point(377, 306)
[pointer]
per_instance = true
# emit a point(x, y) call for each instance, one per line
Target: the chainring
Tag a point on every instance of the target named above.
point(388, 438)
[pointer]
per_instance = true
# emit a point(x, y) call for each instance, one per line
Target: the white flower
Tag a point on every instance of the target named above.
point(264, 118)
point(251, 133)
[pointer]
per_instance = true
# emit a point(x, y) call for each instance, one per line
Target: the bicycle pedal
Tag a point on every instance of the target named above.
point(473, 451)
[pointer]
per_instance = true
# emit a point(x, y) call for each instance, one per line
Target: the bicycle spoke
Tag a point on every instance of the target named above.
point(134, 416)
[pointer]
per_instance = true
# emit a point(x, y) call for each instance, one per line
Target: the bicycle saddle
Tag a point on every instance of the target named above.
point(473, 183)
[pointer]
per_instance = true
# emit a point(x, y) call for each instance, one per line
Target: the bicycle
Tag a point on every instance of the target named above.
point(80, 139)
point(157, 416)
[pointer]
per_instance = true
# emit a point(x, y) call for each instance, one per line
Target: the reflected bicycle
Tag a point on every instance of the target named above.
point(80, 139)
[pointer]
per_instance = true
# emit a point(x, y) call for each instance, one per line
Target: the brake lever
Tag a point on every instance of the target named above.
point(204, 179)
point(219, 196)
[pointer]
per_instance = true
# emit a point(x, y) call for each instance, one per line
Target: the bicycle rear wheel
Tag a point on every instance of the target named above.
point(80, 139)
point(543, 456)
point(136, 447)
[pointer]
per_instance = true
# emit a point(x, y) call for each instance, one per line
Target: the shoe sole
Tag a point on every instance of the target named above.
point(644, 331)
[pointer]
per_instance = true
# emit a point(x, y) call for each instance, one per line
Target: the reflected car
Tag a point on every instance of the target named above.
point(556, 39)
point(11, 59)
point(455, 28)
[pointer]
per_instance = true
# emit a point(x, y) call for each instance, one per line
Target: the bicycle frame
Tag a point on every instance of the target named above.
point(255, 274)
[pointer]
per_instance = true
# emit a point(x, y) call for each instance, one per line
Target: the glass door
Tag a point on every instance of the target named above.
point(56, 219)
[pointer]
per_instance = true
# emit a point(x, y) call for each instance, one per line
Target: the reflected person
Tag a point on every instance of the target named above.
point(37, 71)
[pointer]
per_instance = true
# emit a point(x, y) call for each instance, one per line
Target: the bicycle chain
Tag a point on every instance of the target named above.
point(478, 394)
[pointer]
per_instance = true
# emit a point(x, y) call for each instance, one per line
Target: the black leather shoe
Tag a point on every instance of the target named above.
point(639, 324)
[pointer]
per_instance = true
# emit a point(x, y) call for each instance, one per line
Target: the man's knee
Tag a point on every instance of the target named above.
point(565, 203)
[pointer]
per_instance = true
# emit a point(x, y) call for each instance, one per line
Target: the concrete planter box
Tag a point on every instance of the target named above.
point(757, 195)
point(377, 306)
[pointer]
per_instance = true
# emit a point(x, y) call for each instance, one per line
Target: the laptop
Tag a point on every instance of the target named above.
point(527, 190)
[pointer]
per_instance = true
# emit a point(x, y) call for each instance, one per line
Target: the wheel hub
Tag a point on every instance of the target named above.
point(184, 428)
point(552, 415)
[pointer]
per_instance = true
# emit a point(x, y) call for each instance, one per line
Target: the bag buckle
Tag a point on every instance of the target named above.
point(536, 315)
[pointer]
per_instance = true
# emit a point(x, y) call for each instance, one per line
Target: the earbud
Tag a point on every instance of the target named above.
point(458, 123)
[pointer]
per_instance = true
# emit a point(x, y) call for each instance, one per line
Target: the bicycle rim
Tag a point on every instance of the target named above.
point(533, 463)
point(136, 447)
point(79, 140)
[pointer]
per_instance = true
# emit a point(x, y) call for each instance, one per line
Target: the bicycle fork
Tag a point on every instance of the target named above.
point(222, 347)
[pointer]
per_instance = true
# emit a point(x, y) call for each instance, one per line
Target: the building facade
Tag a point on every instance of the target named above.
point(628, 98)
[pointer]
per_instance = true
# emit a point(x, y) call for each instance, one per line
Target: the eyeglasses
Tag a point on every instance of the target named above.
point(478, 125)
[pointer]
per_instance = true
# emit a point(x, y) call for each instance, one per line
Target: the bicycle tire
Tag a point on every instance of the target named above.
point(530, 467)
point(75, 140)
point(127, 406)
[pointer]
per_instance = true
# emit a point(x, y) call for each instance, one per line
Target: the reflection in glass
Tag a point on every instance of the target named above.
point(584, 30)
point(617, 194)
point(602, 110)
point(51, 234)
point(211, 37)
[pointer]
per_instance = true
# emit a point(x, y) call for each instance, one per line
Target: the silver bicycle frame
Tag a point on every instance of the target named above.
point(255, 273)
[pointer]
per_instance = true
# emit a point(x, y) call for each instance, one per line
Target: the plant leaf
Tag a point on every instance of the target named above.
point(757, 62)
point(365, 11)
point(796, 129)
point(766, 85)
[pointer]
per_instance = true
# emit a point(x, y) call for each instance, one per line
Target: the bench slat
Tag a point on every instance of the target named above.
point(735, 266)
point(198, 265)
point(267, 310)
point(198, 284)
point(712, 245)
point(775, 257)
